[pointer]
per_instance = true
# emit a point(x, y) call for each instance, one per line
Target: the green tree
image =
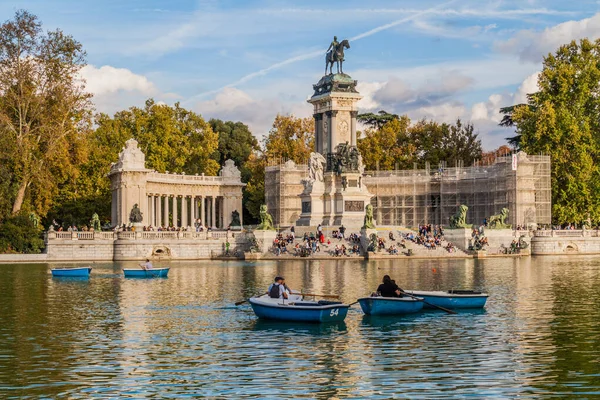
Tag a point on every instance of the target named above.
point(236, 142)
point(563, 120)
point(18, 234)
point(290, 138)
point(384, 148)
point(45, 113)
point(376, 121)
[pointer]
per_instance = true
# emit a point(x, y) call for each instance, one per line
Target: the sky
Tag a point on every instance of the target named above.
point(250, 60)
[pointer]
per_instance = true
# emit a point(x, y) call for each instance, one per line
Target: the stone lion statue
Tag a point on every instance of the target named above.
point(95, 223)
point(498, 221)
point(369, 222)
point(459, 220)
point(135, 216)
point(266, 220)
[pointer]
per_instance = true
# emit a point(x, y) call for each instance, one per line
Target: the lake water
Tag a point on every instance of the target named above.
point(110, 337)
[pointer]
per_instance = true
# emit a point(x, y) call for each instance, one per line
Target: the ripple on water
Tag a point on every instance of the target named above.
point(182, 336)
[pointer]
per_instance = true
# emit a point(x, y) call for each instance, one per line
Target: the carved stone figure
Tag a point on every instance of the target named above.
point(369, 222)
point(95, 222)
point(315, 167)
point(335, 54)
point(229, 170)
point(498, 221)
point(235, 218)
point(346, 159)
point(372, 243)
point(522, 243)
point(35, 220)
point(135, 216)
point(459, 220)
point(266, 220)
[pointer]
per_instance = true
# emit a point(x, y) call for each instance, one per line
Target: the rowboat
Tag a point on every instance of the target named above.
point(452, 298)
point(390, 305)
point(295, 308)
point(146, 273)
point(79, 272)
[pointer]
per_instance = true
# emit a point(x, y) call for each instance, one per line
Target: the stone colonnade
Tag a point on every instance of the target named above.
point(174, 200)
point(183, 210)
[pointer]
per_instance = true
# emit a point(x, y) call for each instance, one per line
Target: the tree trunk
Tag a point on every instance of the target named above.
point(20, 197)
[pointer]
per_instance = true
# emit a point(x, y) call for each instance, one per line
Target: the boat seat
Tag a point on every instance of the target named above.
point(457, 291)
point(328, 303)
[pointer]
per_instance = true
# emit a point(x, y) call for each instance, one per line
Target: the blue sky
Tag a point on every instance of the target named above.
point(249, 60)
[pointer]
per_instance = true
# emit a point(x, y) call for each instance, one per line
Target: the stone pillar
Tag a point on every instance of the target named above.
point(159, 210)
point(318, 133)
point(353, 115)
point(203, 210)
point(333, 131)
point(213, 218)
point(184, 211)
point(152, 210)
point(175, 223)
point(166, 213)
point(194, 209)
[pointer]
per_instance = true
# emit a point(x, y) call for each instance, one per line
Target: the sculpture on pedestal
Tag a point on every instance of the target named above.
point(498, 221)
point(235, 218)
point(369, 223)
point(266, 220)
point(135, 216)
point(346, 159)
point(315, 167)
point(95, 222)
point(459, 220)
point(335, 54)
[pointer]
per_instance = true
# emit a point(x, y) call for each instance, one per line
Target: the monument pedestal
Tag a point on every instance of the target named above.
point(313, 204)
point(264, 239)
point(365, 238)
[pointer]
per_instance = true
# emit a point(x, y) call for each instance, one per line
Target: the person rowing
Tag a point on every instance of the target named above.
point(147, 265)
point(277, 289)
point(389, 288)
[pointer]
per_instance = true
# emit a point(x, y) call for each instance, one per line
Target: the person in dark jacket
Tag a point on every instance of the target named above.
point(389, 288)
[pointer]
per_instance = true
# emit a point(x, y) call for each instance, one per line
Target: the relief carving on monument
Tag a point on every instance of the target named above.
point(354, 206)
point(343, 128)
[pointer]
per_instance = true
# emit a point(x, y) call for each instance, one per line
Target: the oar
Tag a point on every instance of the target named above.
point(429, 304)
point(351, 304)
point(243, 301)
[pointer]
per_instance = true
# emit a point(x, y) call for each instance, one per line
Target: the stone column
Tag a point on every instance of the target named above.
point(194, 209)
point(202, 210)
point(166, 213)
point(353, 115)
point(175, 224)
point(152, 210)
point(318, 133)
point(333, 131)
point(184, 211)
point(328, 133)
point(213, 219)
point(158, 210)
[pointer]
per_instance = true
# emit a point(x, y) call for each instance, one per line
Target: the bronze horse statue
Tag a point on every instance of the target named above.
point(336, 56)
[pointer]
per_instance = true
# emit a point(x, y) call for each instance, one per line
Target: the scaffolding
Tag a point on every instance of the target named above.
point(423, 196)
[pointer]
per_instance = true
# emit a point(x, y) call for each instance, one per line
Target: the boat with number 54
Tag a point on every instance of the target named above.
point(296, 309)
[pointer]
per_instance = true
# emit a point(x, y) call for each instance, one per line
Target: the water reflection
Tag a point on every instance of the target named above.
point(110, 337)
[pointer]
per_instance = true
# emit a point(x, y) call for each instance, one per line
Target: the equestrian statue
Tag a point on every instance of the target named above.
point(335, 54)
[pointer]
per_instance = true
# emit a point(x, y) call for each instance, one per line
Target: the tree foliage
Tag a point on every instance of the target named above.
point(45, 113)
point(18, 234)
point(400, 143)
point(563, 120)
point(376, 121)
point(290, 138)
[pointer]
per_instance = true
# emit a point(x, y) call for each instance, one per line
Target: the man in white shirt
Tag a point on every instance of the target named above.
point(147, 265)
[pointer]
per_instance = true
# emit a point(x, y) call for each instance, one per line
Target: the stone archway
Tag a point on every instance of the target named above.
point(571, 248)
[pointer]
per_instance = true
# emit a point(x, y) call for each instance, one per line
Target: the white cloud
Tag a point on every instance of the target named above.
point(258, 113)
point(531, 45)
point(107, 79)
point(529, 85)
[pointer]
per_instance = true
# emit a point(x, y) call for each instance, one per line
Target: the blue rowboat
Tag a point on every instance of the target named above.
point(298, 310)
point(146, 273)
point(79, 272)
point(452, 298)
point(390, 305)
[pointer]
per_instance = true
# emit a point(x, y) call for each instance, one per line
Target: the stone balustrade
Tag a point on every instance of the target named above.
point(142, 235)
point(567, 233)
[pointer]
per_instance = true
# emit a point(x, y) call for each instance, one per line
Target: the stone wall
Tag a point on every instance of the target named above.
point(121, 246)
point(567, 242)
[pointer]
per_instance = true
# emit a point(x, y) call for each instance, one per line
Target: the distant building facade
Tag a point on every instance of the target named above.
point(172, 199)
point(430, 196)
